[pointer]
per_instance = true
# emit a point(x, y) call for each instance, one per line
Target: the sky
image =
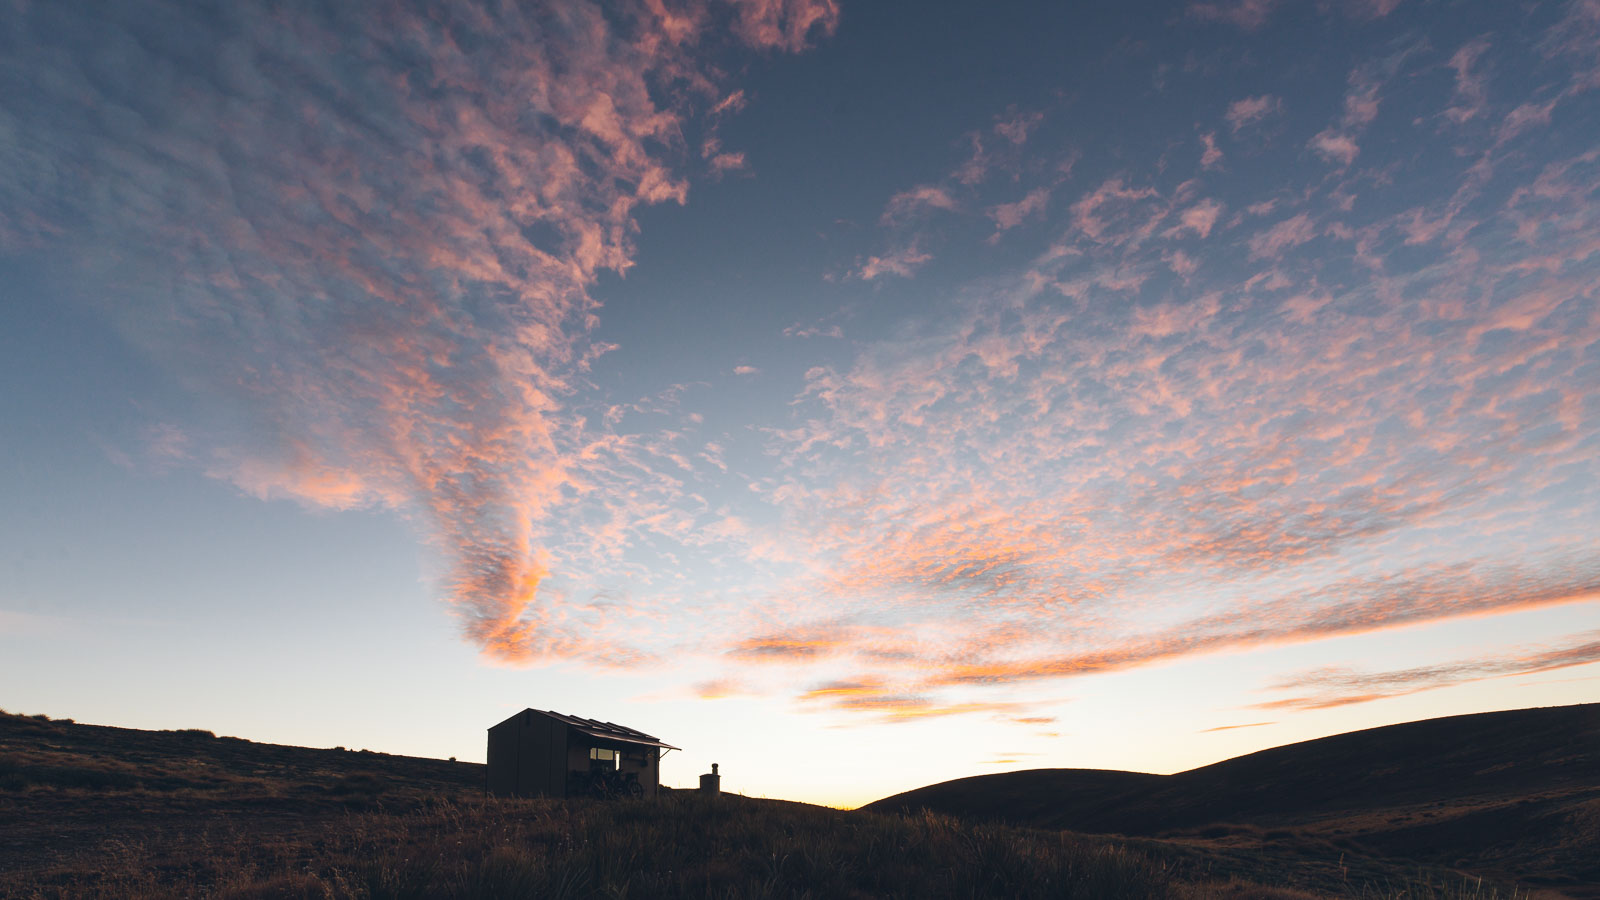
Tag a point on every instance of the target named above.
point(857, 395)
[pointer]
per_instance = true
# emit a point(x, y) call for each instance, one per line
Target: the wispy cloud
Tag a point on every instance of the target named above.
point(916, 200)
point(903, 263)
point(817, 330)
point(1470, 91)
point(1211, 155)
point(1370, 9)
point(1249, 110)
point(722, 689)
point(783, 24)
point(1285, 235)
point(1009, 215)
point(888, 704)
point(1337, 143)
point(1247, 14)
point(1330, 687)
point(1336, 146)
point(1017, 126)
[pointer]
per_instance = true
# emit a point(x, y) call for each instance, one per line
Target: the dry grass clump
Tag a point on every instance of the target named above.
point(90, 811)
point(680, 845)
point(677, 846)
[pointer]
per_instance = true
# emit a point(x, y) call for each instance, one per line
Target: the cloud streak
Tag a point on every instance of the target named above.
point(1332, 687)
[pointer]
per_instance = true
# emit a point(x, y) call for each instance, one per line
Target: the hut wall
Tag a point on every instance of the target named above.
point(543, 745)
point(527, 756)
point(503, 759)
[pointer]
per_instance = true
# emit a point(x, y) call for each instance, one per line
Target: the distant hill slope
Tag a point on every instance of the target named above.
point(66, 788)
point(1516, 791)
point(37, 750)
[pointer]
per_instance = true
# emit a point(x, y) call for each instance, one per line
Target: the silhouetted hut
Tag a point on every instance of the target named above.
point(536, 753)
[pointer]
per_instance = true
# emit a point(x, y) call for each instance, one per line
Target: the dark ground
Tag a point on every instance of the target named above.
point(92, 811)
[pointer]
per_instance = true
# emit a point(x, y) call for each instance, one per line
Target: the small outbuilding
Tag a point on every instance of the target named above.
point(537, 753)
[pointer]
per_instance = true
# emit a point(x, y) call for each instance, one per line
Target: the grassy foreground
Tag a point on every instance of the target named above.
point(90, 811)
point(681, 845)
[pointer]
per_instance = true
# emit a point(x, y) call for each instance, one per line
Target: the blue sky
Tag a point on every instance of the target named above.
point(1120, 385)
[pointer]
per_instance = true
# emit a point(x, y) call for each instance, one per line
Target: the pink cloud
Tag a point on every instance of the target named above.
point(1009, 215)
point(1370, 9)
point(1332, 687)
point(903, 263)
point(1336, 147)
point(734, 102)
point(1470, 92)
point(1246, 14)
point(1211, 158)
point(1015, 128)
point(976, 167)
point(1116, 213)
point(806, 331)
point(1250, 110)
point(784, 24)
point(1181, 263)
point(1289, 233)
point(1355, 607)
point(1525, 117)
point(1361, 102)
point(1199, 218)
point(727, 162)
point(916, 200)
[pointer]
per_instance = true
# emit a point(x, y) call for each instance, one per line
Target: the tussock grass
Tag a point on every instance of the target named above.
point(95, 812)
point(680, 845)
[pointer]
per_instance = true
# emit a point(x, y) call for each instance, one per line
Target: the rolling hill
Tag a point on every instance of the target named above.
point(1514, 794)
point(96, 811)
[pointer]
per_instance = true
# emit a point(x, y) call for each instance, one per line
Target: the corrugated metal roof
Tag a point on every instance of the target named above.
point(609, 731)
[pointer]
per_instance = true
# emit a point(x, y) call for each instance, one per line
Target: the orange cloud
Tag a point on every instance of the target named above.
point(802, 645)
point(890, 704)
point(784, 24)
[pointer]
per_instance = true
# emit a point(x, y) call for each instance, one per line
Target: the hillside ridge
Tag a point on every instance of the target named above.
point(1517, 791)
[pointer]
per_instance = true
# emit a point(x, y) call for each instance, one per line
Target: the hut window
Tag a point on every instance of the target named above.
point(603, 756)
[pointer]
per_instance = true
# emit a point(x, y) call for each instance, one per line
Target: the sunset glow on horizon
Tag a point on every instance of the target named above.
point(856, 395)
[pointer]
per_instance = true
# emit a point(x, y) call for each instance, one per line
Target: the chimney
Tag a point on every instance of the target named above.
point(711, 784)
